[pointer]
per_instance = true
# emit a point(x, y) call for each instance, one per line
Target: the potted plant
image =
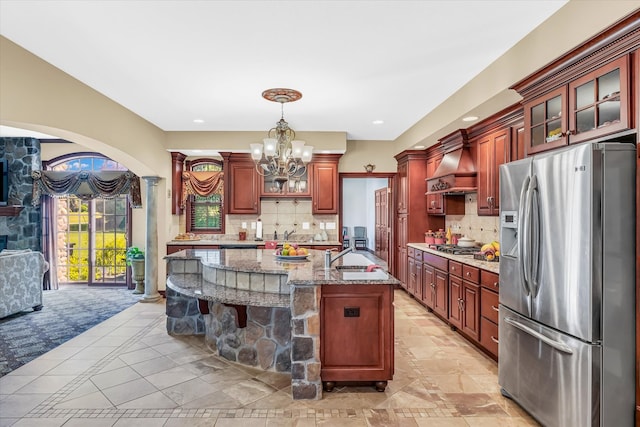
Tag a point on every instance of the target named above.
point(135, 258)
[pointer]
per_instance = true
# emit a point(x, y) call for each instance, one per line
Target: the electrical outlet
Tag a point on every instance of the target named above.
point(244, 225)
point(253, 225)
point(322, 226)
point(305, 225)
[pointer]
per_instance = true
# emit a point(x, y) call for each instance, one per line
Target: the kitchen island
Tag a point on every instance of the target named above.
point(256, 309)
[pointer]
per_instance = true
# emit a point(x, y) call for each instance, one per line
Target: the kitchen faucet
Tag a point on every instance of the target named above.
point(288, 234)
point(327, 256)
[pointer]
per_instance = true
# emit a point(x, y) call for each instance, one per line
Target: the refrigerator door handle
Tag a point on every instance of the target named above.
point(534, 236)
point(555, 344)
point(522, 233)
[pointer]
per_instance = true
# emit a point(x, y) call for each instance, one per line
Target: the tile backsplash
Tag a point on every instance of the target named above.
point(480, 228)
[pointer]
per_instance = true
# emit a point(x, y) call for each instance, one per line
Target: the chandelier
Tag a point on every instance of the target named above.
point(281, 155)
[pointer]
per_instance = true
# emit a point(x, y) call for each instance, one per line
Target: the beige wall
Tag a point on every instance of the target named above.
point(360, 153)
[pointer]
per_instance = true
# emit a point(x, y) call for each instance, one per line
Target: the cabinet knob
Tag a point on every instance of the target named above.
point(453, 269)
point(432, 285)
point(433, 203)
point(468, 273)
point(495, 284)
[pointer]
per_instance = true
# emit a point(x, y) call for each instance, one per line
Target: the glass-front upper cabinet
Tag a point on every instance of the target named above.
point(297, 186)
point(598, 102)
point(547, 121)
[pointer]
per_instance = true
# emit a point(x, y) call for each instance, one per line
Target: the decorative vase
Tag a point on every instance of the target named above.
point(137, 274)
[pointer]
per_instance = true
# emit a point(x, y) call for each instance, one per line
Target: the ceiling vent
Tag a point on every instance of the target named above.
point(456, 173)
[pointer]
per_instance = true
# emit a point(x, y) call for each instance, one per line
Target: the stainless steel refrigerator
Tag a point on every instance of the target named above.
point(567, 285)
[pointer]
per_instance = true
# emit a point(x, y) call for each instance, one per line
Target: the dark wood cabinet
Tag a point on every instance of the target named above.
point(464, 299)
point(324, 184)
point(356, 334)
point(414, 273)
point(599, 102)
point(435, 282)
point(401, 243)
point(584, 94)
point(455, 301)
point(489, 312)
point(412, 221)
point(428, 285)
point(241, 184)
point(493, 150)
point(545, 121)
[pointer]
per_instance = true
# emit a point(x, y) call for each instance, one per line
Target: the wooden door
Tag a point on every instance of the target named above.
point(455, 301)
point(493, 150)
point(243, 188)
point(382, 224)
point(441, 296)
point(471, 310)
point(325, 188)
point(428, 285)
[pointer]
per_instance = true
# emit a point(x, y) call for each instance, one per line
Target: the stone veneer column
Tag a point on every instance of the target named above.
point(151, 293)
point(305, 343)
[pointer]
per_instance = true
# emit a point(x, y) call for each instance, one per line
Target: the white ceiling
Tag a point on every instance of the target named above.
point(354, 61)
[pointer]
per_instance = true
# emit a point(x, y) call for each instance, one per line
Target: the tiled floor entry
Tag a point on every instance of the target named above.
point(128, 372)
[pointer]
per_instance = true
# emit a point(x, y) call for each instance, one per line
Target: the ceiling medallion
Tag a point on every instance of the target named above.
point(281, 95)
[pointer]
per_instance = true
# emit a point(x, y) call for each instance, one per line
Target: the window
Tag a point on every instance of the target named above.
point(205, 214)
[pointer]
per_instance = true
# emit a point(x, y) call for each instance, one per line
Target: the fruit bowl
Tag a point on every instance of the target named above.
point(291, 257)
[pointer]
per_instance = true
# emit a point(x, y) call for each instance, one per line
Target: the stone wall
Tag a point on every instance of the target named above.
point(305, 338)
point(25, 230)
point(264, 342)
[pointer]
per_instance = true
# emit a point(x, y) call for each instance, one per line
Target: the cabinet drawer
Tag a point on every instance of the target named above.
point(418, 255)
point(455, 268)
point(435, 261)
point(410, 252)
point(489, 304)
point(471, 274)
point(489, 280)
point(489, 336)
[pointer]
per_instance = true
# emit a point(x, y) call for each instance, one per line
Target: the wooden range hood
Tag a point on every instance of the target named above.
point(456, 173)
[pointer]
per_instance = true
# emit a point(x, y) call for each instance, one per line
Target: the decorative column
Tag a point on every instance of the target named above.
point(151, 293)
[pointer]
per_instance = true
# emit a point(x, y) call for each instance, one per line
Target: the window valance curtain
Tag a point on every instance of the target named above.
point(86, 185)
point(201, 184)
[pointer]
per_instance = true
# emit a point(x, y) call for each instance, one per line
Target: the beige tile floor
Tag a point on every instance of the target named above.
point(127, 371)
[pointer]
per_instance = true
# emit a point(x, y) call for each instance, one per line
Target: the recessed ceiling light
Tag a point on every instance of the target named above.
point(378, 122)
point(470, 118)
point(198, 121)
point(418, 146)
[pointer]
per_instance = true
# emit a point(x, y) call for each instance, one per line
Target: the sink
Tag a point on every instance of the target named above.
point(352, 268)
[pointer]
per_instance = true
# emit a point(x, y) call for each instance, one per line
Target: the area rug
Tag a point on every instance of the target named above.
point(66, 313)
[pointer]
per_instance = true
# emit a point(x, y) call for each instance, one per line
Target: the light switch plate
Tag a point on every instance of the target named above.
point(244, 225)
point(331, 226)
point(305, 225)
point(322, 226)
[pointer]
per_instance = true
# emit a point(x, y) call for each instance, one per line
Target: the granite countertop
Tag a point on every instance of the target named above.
point(251, 242)
point(491, 266)
point(309, 272)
